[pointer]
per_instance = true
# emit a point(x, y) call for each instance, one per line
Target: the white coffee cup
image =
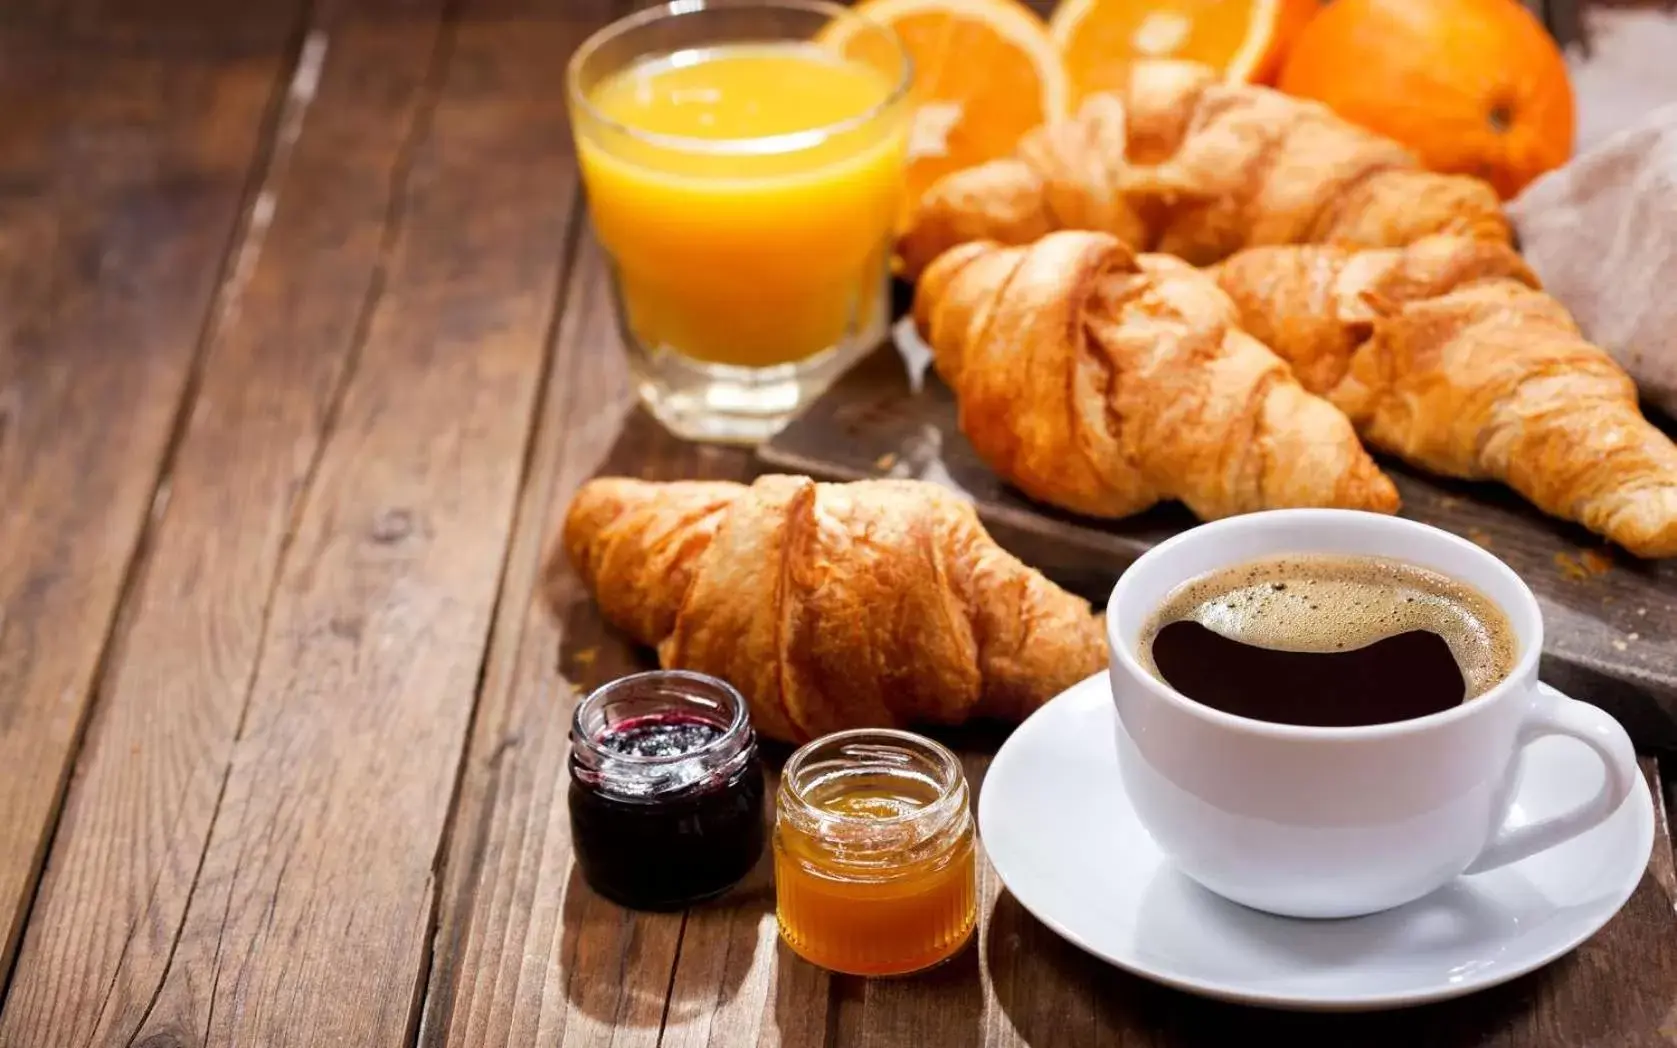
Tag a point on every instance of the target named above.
point(1336, 822)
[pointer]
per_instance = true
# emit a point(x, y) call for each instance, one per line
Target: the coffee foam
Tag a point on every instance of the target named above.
point(1314, 602)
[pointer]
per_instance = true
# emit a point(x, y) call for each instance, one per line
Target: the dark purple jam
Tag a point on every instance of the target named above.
point(665, 848)
point(667, 735)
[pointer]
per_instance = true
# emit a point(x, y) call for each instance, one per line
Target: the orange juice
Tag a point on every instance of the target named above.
point(745, 194)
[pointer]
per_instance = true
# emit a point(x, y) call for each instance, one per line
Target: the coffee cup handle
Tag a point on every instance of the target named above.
point(1555, 714)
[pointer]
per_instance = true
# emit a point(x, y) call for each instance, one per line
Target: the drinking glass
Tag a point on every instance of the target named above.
point(743, 162)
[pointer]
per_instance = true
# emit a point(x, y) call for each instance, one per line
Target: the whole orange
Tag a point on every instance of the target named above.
point(1471, 86)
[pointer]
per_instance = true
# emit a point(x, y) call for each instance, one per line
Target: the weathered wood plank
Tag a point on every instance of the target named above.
point(158, 749)
point(736, 983)
point(124, 155)
point(953, 1003)
point(526, 953)
point(310, 921)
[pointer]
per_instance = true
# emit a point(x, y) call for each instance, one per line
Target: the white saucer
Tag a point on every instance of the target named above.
point(1061, 833)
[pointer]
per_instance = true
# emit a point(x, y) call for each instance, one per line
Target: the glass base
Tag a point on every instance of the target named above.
point(913, 970)
point(720, 403)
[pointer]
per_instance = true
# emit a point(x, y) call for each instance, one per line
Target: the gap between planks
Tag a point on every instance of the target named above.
point(522, 556)
point(428, 266)
point(284, 124)
point(133, 573)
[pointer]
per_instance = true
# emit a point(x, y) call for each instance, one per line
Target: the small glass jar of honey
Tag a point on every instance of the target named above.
point(873, 853)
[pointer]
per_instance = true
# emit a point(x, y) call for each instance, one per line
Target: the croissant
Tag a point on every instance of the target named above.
point(1447, 354)
point(1102, 383)
point(1185, 164)
point(871, 604)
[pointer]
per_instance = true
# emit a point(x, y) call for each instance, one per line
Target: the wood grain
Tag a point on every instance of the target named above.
point(159, 747)
point(311, 918)
point(124, 155)
point(736, 983)
point(1611, 620)
point(954, 1003)
point(527, 953)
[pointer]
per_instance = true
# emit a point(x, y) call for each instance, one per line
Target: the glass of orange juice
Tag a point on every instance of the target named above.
point(743, 178)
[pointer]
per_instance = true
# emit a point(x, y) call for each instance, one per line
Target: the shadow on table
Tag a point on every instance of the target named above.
point(620, 959)
point(943, 1005)
point(1053, 994)
point(592, 652)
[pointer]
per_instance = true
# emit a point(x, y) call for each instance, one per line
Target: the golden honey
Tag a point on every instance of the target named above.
point(875, 870)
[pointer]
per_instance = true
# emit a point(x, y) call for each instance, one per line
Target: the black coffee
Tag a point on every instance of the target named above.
point(1329, 641)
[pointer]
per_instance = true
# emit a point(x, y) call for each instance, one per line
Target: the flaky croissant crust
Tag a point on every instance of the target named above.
point(1103, 382)
point(1186, 164)
point(830, 606)
point(1448, 354)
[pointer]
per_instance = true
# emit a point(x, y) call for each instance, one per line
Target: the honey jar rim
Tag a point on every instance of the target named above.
point(951, 793)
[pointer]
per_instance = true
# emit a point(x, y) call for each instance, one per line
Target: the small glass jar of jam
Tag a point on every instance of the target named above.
point(875, 870)
point(666, 793)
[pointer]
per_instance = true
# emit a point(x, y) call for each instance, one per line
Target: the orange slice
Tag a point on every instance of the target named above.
point(985, 72)
point(1246, 39)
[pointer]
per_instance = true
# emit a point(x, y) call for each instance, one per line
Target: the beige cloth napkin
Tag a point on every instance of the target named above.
point(1601, 232)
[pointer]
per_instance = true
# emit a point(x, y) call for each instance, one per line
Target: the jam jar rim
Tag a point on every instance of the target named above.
point(739, 725)
point(952, 795)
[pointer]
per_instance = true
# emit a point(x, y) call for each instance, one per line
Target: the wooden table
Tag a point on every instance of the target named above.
point(303, 350)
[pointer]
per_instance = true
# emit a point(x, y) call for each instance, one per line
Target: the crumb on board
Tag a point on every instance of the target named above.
point(1620, 645)
point(1479, 537)
point(1596, 561)
point(885, 461)
point(585, 657)
point(1633, 636)
point(1449, 502)
point(1642, 611)
point(1587, 564)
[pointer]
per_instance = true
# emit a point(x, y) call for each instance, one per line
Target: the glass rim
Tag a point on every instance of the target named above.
point(952, 791)
point(760, 145)
point(683, 683)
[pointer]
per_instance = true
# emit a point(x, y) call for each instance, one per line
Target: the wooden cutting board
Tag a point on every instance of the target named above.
point(1610, 619)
